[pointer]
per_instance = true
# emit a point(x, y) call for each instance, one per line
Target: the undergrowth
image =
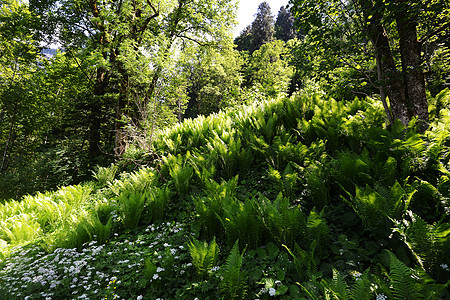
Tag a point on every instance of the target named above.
point(292, 198)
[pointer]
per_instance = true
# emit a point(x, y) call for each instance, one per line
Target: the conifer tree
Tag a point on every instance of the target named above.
point(260, 32)
point(284, 25)
point(262, 27)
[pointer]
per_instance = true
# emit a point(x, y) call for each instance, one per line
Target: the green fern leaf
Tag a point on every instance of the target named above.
point(403, 284)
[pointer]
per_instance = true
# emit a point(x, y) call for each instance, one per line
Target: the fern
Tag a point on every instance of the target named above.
point(429, 244)
point(285, 224)
point(317, 231)
point(338, 288)
point(304, 261)
point(105, 175)
point(240, 221)
point(234, 283)
point(180, 172)
point(204, 256)
point(403, 284)
point(131, 205)
point(158, 201)
point(210, 208)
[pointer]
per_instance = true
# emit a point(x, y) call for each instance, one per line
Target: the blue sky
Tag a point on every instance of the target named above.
point(247, 10)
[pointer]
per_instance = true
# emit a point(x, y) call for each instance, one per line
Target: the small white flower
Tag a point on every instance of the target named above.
point(381, 297)
point(159, 269)
point(272, 292)
point(139, 297)
point(444, 266)
point(156, 276)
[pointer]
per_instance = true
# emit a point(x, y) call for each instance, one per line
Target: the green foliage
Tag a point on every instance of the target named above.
point(318, 169)
point(204, 256)
point(105, 175)
point(403, 283)
point(234, 283)
point(285, 224)
point(181, 173)
point(260, 32)
point(269, 69)
point(240, 222)
point(338, 288)
point(428, 243)
point(157, 203)
point(376, 206)
point(131, 205)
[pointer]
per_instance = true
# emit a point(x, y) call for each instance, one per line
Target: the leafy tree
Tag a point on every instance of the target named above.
point(213, 80)
point(18, 52)
point(380, 27)
point(134, 42)
point(268, 68)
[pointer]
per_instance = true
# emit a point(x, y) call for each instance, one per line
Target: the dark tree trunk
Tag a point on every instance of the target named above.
point(9, 141)
point(96, 114)
point(410, 50)
point(120, 140)
point(391, 78)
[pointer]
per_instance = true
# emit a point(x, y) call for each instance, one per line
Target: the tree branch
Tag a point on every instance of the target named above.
point(433, 33)
point(79, 66)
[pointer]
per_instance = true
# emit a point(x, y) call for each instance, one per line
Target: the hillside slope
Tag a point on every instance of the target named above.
point(294, 198)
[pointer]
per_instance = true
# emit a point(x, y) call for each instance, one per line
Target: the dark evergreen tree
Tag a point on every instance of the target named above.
point(261, 30)
point(284, 25)
point(262, 27)
point(244, 40)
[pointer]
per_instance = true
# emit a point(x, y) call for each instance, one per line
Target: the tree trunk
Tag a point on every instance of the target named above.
point(410, 50)
point(390, 76)
point(119, 140)
point(9, 141)
point(383, 93)
point(96, 113)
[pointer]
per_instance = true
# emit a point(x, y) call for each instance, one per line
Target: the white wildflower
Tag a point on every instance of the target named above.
point(381, 297)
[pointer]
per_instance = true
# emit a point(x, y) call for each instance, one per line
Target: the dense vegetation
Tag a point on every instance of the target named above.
point(293, 197)
point(153, 157)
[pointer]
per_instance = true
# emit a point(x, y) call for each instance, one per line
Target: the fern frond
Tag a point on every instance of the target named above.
point(402, 280)
point(338, 285)
point(234, 279)
point(360, 290)
point(204, 256)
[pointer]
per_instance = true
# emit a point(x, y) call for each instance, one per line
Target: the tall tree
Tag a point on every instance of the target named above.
point(269, 70)
point(388, 25)
point(262, 27)
point(261, 30)
point(18, 54)
point(284, 25)
point(213, 79)
point(134, 41)
point(244, 40)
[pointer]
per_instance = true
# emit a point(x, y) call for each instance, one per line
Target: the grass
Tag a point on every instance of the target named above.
point(299, 194)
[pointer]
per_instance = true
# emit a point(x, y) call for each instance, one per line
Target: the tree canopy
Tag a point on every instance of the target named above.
point(394, 33)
